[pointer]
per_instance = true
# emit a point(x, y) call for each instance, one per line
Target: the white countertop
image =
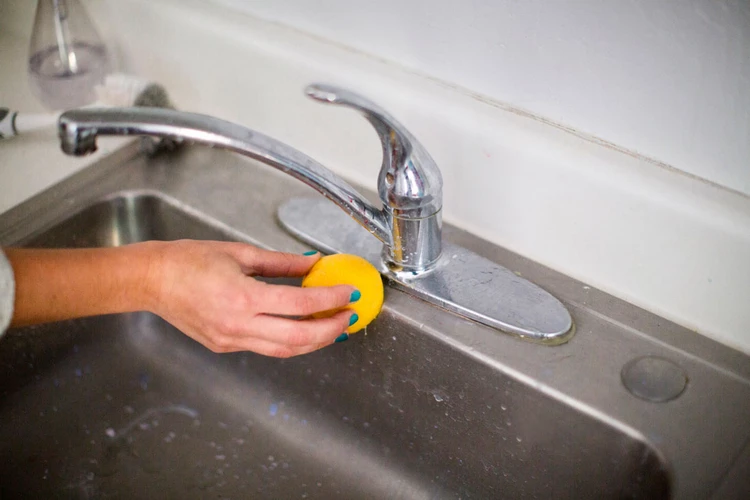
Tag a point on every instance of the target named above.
point(647, 233)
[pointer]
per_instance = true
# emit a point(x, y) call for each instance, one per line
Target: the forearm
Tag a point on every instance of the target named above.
point(53, 285)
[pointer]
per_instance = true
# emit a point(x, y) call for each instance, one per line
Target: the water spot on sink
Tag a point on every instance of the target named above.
point(143, 381)
point(142, 421)
point(110, 432)
point(439, 396)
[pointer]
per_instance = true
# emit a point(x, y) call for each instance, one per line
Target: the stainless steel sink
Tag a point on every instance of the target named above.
point(423, 405)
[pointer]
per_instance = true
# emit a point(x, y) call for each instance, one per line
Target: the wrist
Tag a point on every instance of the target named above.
point(147, 279)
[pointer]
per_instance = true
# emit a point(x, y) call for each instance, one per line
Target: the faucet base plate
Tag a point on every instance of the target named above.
point(462, 282)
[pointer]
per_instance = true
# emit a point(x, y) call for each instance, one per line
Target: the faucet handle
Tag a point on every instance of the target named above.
point(410, 182)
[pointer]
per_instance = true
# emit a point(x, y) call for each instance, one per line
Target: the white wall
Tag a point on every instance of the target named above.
point(669, 79)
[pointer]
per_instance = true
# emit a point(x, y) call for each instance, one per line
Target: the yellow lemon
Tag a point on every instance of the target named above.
point(343, 269)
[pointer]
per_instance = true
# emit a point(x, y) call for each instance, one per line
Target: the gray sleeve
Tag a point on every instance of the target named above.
point(7, 293)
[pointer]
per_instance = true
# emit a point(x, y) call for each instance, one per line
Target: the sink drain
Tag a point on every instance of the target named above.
point(654, 379)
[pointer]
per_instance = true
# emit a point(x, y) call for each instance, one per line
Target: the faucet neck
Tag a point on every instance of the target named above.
point(409, 184)
point(78, 130)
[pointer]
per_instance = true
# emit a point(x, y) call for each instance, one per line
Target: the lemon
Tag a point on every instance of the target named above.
point(344, 269)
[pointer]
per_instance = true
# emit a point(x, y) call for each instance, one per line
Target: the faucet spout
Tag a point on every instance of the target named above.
point(79, 128)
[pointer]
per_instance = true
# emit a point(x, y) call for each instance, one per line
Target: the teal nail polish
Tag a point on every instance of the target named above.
point(354, 318)
point(341, 338)
point(356, 295)
point(310, 252)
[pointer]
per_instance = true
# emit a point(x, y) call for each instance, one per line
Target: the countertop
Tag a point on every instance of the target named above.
point(31, 163)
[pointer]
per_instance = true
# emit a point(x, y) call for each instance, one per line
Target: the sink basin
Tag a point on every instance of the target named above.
point(423, 405)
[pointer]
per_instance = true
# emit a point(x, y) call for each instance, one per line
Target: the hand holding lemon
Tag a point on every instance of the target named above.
point(344, 269)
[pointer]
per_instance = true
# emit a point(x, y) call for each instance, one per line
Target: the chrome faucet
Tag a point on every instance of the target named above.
point(409, 184)
point(409, 224)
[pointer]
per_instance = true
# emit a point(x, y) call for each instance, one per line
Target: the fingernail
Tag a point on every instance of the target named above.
point(310, 252)
point(342, 338)
point(353, 319)
point(356, 295)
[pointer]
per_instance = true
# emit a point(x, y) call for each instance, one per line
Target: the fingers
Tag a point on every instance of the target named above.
point(258, 262)
point(284, 338)
point(267, 348)
point(301, 333)
point(296, 301)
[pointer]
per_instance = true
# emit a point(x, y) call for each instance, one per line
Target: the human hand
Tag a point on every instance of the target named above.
point(207, 290)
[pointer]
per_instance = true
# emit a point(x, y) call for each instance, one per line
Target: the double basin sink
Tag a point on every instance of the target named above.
point(423, 404)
